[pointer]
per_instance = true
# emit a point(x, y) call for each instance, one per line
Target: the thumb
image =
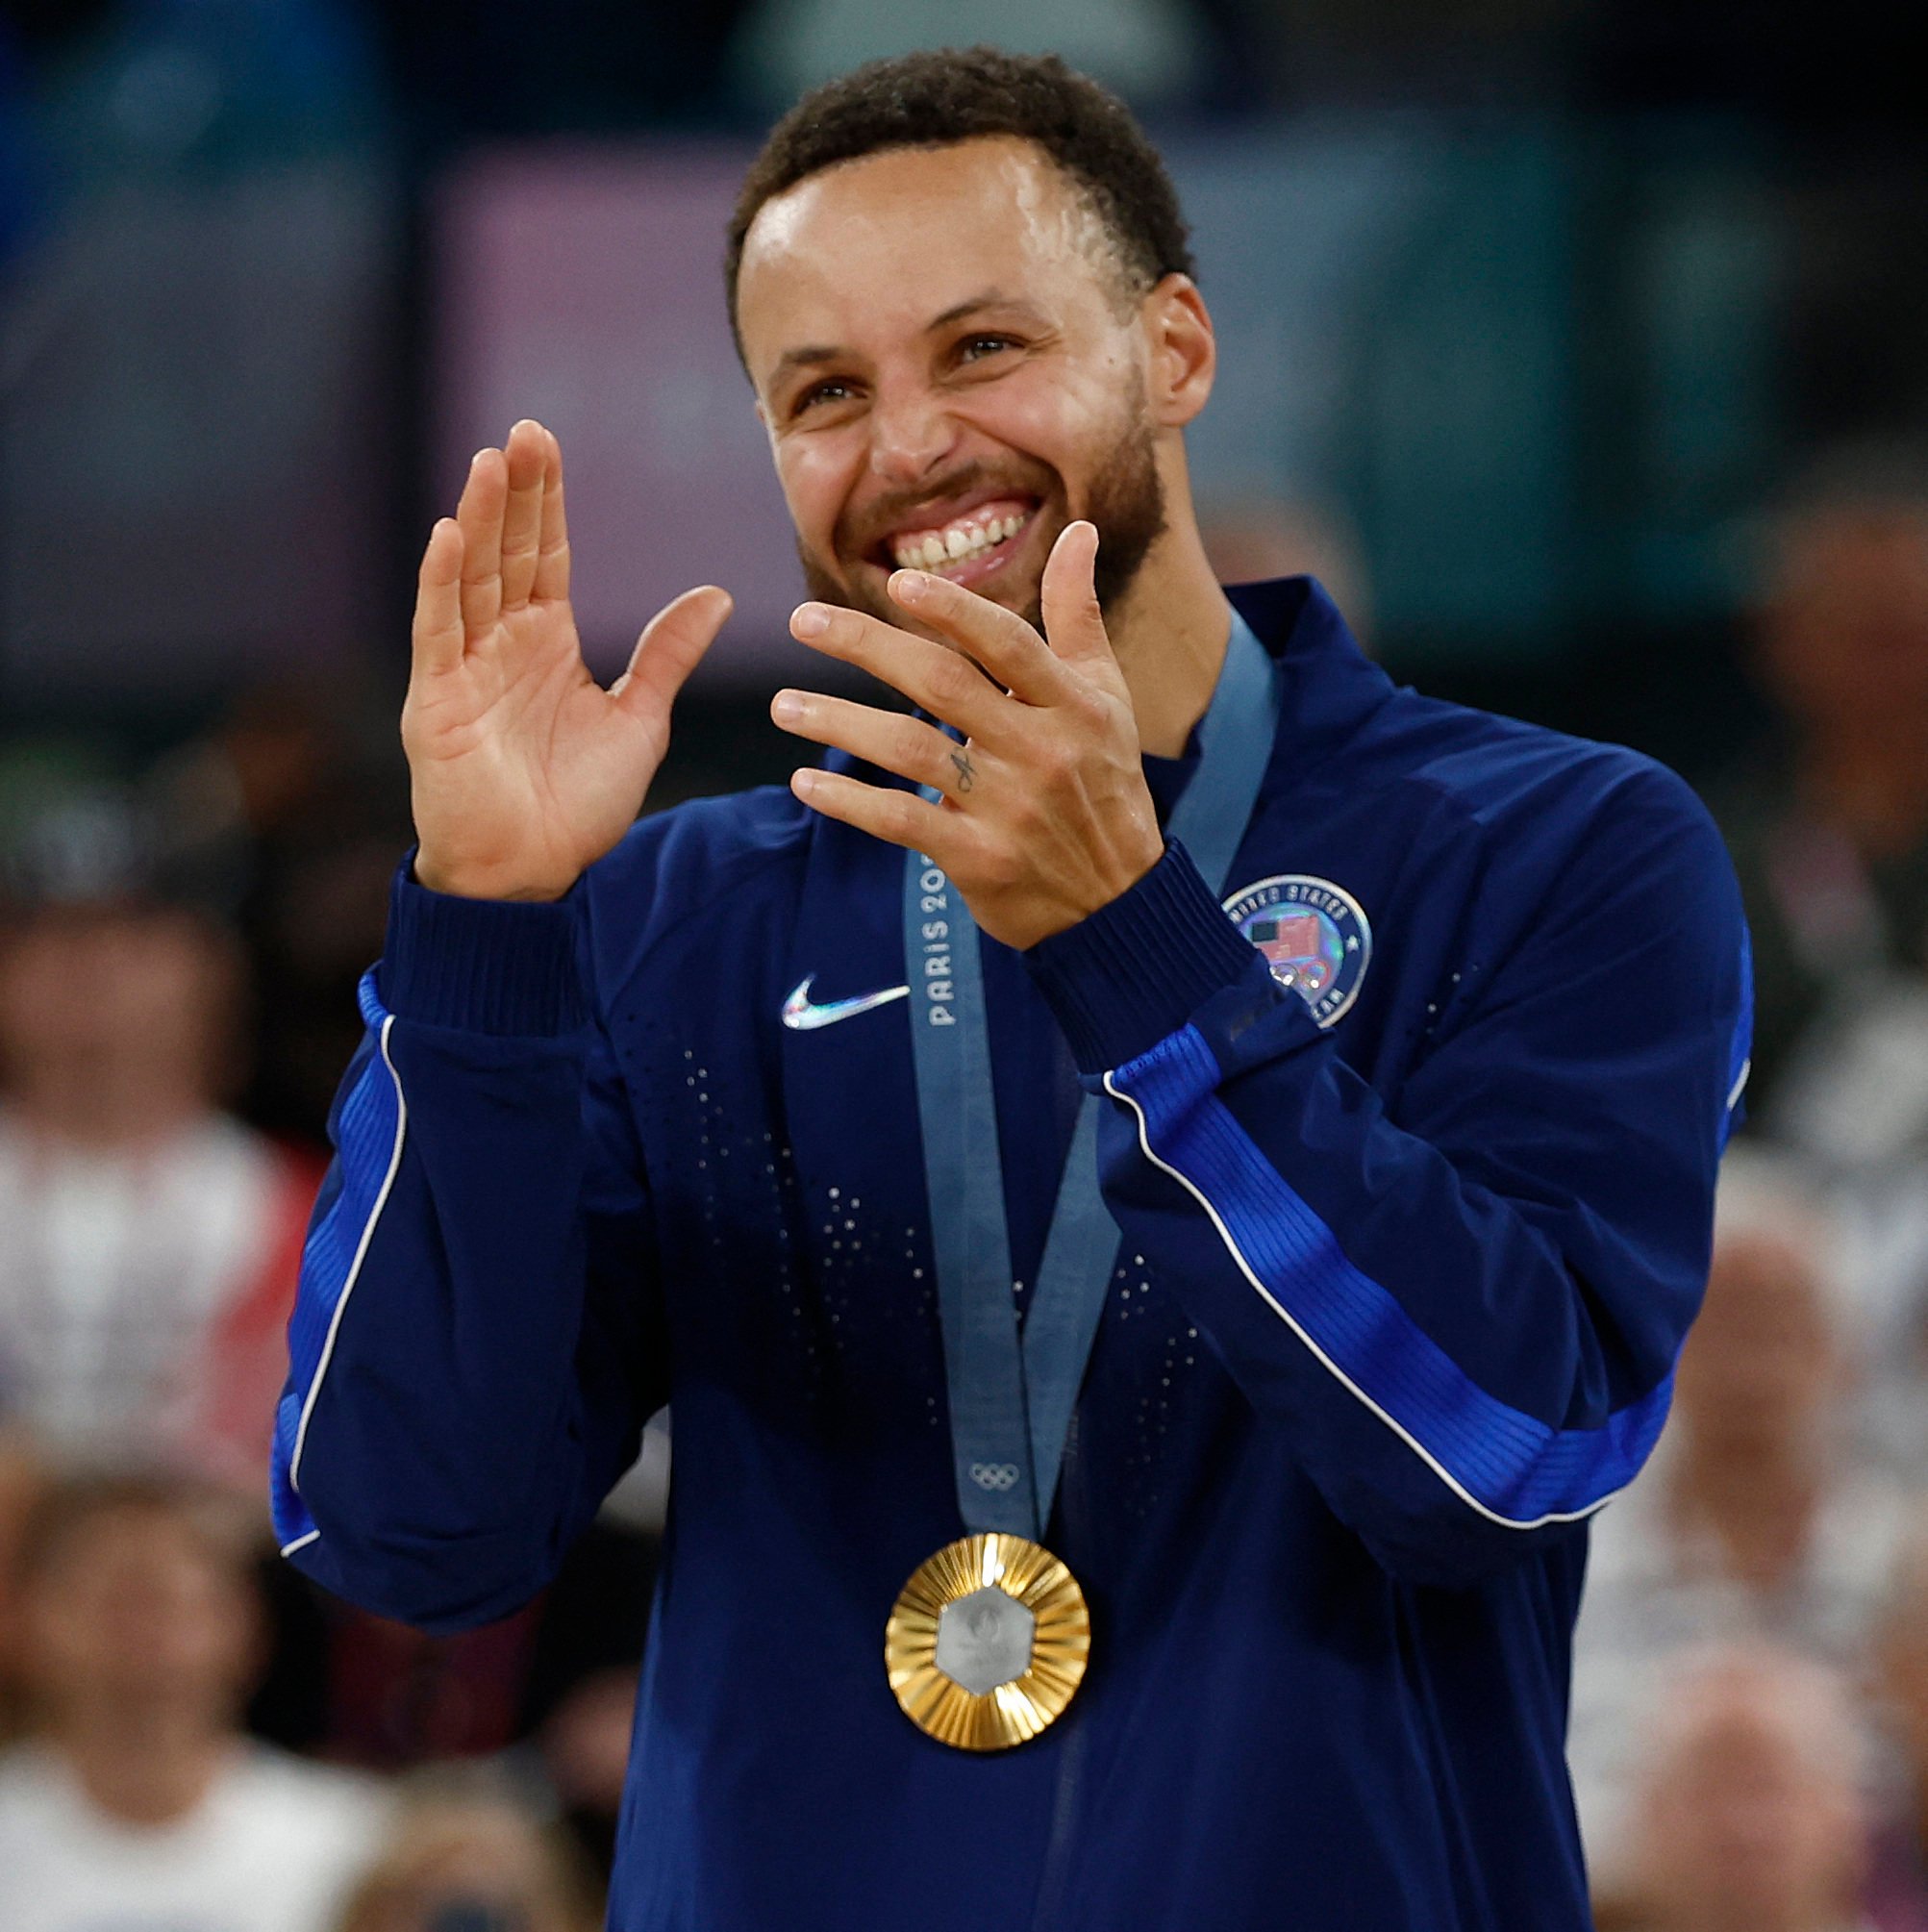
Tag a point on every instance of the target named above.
point(671, 646)
point(1074, 626)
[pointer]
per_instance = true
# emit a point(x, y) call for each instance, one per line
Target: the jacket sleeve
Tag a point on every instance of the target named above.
point(476, 1340)
point(1465, 1304)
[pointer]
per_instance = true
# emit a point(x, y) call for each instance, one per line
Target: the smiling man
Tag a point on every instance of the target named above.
point(1162, 1184)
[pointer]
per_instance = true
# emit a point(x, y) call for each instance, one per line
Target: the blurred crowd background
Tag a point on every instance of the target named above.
point(1581, 349)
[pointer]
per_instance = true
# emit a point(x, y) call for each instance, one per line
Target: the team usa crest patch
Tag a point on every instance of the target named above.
point(1315, 934)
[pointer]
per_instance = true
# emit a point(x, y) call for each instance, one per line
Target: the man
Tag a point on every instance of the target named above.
point(149, 1241)
point(1829, 823)
point(1403, 1216)
point(1759, 1517)
point(1751, 1811)
point(135, 1801)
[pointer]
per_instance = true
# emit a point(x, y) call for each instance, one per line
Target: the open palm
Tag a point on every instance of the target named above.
point(524, 771)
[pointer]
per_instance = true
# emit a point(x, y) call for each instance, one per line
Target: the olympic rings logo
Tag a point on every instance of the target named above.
point(994, 1475)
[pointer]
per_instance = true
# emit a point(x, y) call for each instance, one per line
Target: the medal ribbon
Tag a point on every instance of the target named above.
point(1011, 1401)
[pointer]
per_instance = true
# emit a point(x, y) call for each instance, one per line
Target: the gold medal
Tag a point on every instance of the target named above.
point(988, 1641)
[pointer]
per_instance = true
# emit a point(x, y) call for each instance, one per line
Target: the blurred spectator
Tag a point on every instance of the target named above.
point(1884, 1213)
point(292, 809)
point(1830, 841)
point(1898, 1888)
point(149, 1243)
point(472, 1866)
point(585, 1745)
point(551, 1688)
point(398, 1698)
point(134, 1801)
point(21, 1481)
point(1750, 1816)
point(1753, 1517)
point(1829, 831)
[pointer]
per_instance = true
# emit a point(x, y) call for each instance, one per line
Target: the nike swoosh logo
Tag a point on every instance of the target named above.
point(803, 1014)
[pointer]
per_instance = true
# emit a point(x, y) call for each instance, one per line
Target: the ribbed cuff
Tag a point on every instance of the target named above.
point(1140, 967)
point(480, 966)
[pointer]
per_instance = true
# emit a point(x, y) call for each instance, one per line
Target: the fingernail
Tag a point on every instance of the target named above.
point(803, 783)
point(810, 620)
point(787, 707)
point(908, 586)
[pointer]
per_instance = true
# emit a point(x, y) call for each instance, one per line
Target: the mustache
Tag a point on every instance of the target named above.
point(856, 536)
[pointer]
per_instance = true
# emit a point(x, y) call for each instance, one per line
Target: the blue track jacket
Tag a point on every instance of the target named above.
point(1397, 1305)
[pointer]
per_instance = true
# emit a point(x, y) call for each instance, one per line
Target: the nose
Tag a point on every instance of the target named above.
point(911, 434)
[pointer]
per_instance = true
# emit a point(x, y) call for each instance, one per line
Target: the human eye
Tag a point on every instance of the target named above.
point(830, 389)
point(979, 347)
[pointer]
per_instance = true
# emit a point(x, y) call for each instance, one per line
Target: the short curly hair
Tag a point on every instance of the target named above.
point(954, 95)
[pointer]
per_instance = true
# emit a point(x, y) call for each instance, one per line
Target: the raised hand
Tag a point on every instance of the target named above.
point(1043, 815)
point(523, 770)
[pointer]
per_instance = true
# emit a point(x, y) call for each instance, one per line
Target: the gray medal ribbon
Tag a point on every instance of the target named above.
point(1011, 1402)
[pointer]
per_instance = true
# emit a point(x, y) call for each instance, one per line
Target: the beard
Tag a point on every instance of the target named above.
point(1126, 504)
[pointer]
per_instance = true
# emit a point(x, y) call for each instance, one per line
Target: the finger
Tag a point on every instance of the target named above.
point(931, 676)
point(898, 818)
point(1073, 621)
point(483, 499)
point(997, 638)
point(527, 458)
point(671, 646)
point(438, 628)
point(552, 558)
point(904, 745)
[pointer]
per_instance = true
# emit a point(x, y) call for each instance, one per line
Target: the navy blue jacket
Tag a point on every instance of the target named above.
point(1408, 1253)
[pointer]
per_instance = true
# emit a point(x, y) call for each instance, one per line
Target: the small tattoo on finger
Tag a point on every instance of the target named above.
point(967, 771)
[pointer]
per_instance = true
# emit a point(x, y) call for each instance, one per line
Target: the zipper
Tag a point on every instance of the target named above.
point(1055, 1873)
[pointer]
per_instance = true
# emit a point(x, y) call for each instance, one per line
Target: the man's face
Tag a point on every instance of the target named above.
point(134, 1612)
point(1844, 636)
point(1761, 1363)
point(950, 372)
point(89, 994)
point(1746, 1828)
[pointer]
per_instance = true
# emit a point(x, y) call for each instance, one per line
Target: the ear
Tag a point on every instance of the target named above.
point(1183, 353)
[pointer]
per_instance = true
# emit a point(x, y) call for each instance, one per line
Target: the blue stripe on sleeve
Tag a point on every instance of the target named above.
point(1516, 1470)
point(370, 1126)
point(1739, 1062)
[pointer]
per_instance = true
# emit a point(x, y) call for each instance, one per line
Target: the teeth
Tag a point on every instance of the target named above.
point(960, 542)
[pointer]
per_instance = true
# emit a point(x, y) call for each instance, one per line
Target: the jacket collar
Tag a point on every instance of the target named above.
point(1329, 687)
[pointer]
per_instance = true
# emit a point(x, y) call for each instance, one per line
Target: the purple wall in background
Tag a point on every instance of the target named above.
point(583, 288)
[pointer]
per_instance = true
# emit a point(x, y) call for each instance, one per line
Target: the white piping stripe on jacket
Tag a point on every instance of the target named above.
point(348, 1286)
point(1740, 1085)
point(1393, 1423)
